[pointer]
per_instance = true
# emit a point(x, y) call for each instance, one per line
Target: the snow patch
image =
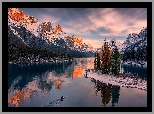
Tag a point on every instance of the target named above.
point(123, 81)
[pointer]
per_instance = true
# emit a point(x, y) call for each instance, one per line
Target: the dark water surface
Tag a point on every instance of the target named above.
point(43, 84)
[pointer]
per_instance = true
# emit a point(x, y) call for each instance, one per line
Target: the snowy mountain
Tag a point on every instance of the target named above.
point(135, 41)
point(29, 31)
point(135, 48)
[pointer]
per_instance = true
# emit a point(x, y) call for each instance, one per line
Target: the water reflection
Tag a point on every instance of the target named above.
point(78, 71)
point(45, 85)
point(108, 91)
point(27, 71)
point(135, 70)
point(17, 97)
point(58, 84)
point(27, 81)
point(33, 79)
point(81, 65)
point(115, 94)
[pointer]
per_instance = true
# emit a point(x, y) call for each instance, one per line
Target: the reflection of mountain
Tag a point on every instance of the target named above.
point(18, 96)
point(42, 84)
point(78, 71)
point(58, 84)
point(107, 91)
point(82, 64)
point(28, 87)
point(40, 77)
point(45, 86)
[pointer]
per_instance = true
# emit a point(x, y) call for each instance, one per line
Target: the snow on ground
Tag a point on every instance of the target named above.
point(122, 80)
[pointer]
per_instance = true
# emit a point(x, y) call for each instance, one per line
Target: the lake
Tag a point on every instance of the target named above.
point(43, 85)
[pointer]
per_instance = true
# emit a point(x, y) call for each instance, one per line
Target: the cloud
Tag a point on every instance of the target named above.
point(115, 22)
point(108, 22)
point(52, 19)
point(95, 24)
point(95, 43)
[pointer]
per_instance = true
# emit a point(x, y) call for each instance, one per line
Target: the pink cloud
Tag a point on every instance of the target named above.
point(49, 18)
point(115, 22)
point(111, 20)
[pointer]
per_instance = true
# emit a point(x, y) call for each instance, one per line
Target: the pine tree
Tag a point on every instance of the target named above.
point(106, 58)
point(97, 60)
point(116, 60)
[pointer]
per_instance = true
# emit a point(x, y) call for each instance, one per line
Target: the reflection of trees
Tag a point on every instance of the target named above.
point(27, 71)
point(107, 90)
point(37, 68)
point(135, 70)
point(106, 95)
point(60, 68)
point(115, 94)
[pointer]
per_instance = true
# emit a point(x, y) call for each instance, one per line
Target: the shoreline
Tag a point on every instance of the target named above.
point(122, 80)
point(43, 61)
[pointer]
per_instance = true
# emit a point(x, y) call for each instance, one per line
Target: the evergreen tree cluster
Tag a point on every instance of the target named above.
point(109, 60)
point(139, 56)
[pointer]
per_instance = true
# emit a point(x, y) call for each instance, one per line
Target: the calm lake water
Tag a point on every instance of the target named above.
point(43, 84)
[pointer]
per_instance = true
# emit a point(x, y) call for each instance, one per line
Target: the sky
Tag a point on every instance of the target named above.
point(93, 25)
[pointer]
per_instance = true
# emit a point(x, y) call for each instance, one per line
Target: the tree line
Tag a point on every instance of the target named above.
point(18, 53)
point(139, 55)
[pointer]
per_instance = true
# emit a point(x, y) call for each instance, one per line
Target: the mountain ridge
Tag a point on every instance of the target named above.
point(31, 34)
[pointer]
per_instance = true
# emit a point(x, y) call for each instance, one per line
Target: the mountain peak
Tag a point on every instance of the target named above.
point(46, 26)
point(19, 16)
point(58, 29)
point(15, 14)
point(77, 40)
